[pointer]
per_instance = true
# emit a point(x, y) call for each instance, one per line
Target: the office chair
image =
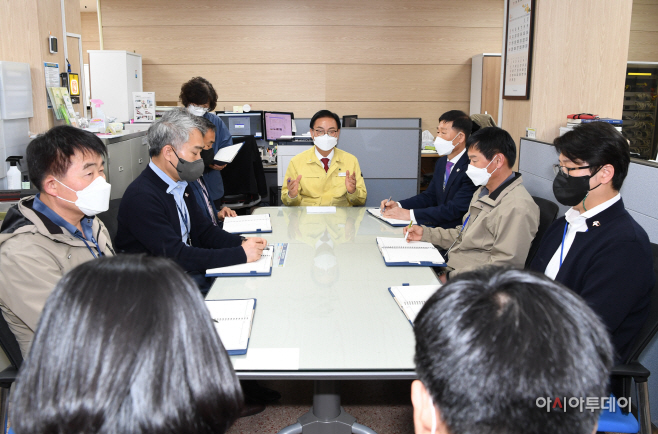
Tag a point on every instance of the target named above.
point(109, 218)
point(547, 213)
point(244, 178)
point(632, 369)
point(10, 346)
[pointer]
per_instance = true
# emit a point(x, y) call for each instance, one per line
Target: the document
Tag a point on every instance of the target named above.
point(396, 251)
point(262, 267)
point(248, 224)
point(376, 212)
point(228, 153)
point(411, 299)
point(233, 320)
point(321, 209)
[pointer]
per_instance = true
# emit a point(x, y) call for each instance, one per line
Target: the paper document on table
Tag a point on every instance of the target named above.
point(321, 209)
point(233, 320)
point(377, 213)
point(261, 267)
point(397, 251)
point(248, 224)
point(228, 153)
point(280, 254)
point(411, 299)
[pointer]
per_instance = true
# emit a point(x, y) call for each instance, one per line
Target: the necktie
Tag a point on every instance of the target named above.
point(325, 161)
point(206, 196)
point(447, 175)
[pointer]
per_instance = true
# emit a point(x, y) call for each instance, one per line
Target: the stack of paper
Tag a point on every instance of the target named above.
point(233, 320)
point(262, 267)
point(411, 299)
point(248, 224)
point(397, 251)
point(321, 209)
point(376, 212)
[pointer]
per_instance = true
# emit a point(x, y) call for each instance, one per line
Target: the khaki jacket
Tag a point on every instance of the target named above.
point(318, 188)
point(34, 254)
point(499, 231)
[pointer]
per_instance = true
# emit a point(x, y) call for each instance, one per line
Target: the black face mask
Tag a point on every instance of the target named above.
point(571, 190)
point(188, 171)
point(208, 156)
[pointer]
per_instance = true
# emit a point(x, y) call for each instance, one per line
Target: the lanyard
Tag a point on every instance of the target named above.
point(93, 240)
point(184, 217)
point(564, 235)
point(459, 235)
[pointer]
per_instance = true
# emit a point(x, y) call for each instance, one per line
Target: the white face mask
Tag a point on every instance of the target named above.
point(325, 143)
point(443, 146)
point(94, 198)
point(479, 176)
point(196, 110)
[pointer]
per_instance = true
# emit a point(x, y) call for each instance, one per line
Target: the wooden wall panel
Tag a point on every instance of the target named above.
point(90, 38)
point(643, 44)
point(491, 85)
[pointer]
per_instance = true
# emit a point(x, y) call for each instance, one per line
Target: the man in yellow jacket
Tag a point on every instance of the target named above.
point(324, 175)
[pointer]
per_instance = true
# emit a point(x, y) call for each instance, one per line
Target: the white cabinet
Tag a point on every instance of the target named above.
point(114, 76)
point(284, 154)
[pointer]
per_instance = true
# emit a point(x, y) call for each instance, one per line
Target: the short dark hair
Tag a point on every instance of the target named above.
point(324, 114)
point(460, 121)
point(597, 144)
point(493, 341)
point(50, 153)
point(205, 125)
point(491, 141)
point(198, 91)
point(126, 344)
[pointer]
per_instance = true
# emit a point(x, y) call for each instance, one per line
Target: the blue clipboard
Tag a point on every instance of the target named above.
point(241, 351)
point(399, 305)
point(395, 225)
point(250, 274)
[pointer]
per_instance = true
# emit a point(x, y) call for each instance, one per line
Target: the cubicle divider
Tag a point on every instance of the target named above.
point(303, 124)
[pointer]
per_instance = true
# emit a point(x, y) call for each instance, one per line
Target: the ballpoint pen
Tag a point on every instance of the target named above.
point(408, 227)
point(389, 199)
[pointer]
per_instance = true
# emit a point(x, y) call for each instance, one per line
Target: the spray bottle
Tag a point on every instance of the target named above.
point(98, 120)
point(13, 174)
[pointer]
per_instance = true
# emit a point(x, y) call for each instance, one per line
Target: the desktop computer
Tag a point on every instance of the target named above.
point(243, 124)
point(278, 124)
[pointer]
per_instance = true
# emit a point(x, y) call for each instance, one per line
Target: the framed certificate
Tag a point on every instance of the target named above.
point(518, 48)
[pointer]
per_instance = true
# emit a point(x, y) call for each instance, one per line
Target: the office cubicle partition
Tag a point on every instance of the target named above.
point(303, 124)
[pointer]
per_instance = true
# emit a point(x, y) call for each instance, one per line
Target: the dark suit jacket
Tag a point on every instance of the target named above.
point(200, 200)
point(610, 266)
point(445, 209)
point(149, 223)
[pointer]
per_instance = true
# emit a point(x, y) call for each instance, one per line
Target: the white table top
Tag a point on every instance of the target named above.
point(328, 312)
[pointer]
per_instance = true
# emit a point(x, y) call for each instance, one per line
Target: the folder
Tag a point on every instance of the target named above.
point(410, 299)
point(248, 224)
point(262, 267)
point(377, 213)
point(233, 320)
point(226, 154)
point(399, 253)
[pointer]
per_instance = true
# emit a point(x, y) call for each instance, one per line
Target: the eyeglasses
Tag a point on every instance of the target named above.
point(320, 132)
point(564, 169)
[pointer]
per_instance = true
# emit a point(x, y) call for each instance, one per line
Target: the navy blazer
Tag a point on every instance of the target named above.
point(149, 223)
point(610, 266)
point(200, 200)
point(445, 209)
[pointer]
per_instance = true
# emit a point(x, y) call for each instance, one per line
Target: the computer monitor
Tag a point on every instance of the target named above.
point(350, 121)
point(278, 124)
point(243, 124)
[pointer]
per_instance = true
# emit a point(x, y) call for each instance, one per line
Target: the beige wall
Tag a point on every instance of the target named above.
point(643, 45)
point(373, 58)
point(90, 38)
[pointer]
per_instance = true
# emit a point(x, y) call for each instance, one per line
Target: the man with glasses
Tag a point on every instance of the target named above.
point(597, 249)
point(324, 175)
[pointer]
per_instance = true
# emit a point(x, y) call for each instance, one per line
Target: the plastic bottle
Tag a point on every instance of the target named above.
point(13, 174)
point(26, 183)
point(98, 120)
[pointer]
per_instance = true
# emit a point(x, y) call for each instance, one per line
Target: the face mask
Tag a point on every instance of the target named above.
point(325, 261)
point(208, 156)
point(479, 176)
point(188, 171)
point(571, 190)
point(443, 146)
point(196, 110)
point(325, 143)
point(94, 198)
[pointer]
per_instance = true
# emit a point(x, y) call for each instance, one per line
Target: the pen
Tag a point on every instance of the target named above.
point(408, 227)
point(389, 199)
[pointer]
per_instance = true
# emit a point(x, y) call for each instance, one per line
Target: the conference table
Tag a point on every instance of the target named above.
point(326, 314)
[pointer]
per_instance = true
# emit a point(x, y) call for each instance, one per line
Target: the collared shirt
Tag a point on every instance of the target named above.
point(577, 222)
point(320, 157)
point(485, 190)
point(86, 223)
point(176, 189)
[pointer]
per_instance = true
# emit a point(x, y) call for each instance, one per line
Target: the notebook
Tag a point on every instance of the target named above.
point(411, 299)
point(228, 153)
point(262, 267)
point(376, 212)
point(321, 209)
point(233, 320)
point(248, 224)
point(398, 252)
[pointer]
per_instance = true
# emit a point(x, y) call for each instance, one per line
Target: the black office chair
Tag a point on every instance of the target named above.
point(109, 218)
point(244, 178)
point(10, 346)
point(547, 213)
point(632, 369)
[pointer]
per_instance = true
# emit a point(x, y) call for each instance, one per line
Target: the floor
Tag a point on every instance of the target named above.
point(383, 406)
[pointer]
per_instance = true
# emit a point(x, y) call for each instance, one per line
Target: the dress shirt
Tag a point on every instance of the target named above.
point(176, 189)
point(320, 157)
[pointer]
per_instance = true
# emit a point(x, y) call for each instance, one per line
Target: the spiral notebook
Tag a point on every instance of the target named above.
point(248, 224)
point(233, 320)
point(411, 299)
point(261, 267)
point(377, 213)
point(398, 252)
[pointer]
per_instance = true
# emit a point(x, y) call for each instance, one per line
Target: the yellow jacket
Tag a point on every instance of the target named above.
point(318, 188)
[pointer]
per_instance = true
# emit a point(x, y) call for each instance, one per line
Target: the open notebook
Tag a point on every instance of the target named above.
point(228, 153)
point(262, 267)
point(248, 224)
point(376, 212)
point(411, 299)
point(398, 252)
point(233, 320)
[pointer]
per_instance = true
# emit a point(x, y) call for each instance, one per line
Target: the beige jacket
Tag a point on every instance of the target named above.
point(499, 231)
point(34, 254)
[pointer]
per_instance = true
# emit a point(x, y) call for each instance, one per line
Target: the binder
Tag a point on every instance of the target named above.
point(398, 253)
point(262, 267)
point(410, 299)
point(226, 154)
point(233, 320)
point(377, 213)
point(248, 224)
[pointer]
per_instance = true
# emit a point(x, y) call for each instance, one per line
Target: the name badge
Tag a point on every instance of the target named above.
point(341, 174)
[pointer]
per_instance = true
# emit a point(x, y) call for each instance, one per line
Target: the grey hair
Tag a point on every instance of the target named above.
point(172, 129)
point(204, 125)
